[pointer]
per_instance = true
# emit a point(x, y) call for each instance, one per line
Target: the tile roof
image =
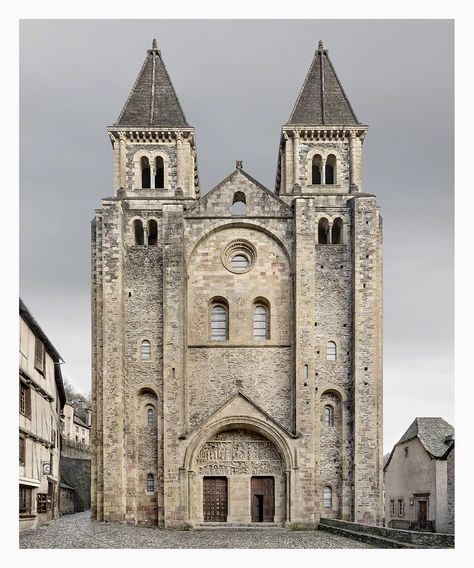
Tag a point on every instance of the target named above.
point(322, 100)
point(432, 433)
point(152, 101)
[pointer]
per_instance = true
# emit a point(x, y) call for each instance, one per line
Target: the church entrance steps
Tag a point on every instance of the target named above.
point(383, 537)
point(245, 526)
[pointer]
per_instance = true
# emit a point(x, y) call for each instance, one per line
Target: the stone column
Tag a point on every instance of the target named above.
point(179, 160)
point(323, 171)
point(296, 157)
point(355, 160)
point(305, 509)
point(174, 333)
point(288, 163)
point(367, 372)
point(123, 161)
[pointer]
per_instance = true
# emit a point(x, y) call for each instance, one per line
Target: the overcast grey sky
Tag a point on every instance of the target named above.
point(237, 81)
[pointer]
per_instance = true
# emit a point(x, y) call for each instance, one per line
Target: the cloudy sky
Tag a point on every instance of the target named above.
point(237, 82)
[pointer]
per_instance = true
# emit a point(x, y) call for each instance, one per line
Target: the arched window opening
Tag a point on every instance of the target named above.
point(323, 231)
point(159, 173)
point(261, 322)
point(138, 232)
point(316, 170)
point(327, 496)
point(146, 175)
point(337, 231)
point(305, 372)
point(150, 483)
point(219, 323)
point(152, 232)
point(151, 416)
point(330, 170)
point(328, 415)
point(145, 350)
point(331, 351)
point(239, 204)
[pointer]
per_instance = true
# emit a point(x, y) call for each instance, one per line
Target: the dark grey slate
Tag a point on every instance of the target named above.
point(432, 433)
point(322, 100)
point(152, 101)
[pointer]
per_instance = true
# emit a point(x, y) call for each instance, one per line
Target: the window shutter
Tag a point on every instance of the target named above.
point(39, 355)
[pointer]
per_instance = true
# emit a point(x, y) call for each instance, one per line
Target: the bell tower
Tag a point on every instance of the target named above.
point(154, 146)
point(320, 146)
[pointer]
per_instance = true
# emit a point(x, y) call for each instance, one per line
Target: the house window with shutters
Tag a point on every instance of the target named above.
point(39, 355)
point(25, 400)
point(22, 450)
point(401, 508)
point(25, 500)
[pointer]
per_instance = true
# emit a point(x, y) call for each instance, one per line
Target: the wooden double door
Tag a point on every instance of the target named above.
point(216, 499)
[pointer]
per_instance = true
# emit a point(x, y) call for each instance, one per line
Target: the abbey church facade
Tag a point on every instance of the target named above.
point(237, 334)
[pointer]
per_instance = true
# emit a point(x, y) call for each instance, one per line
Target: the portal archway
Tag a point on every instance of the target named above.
point(238, 476)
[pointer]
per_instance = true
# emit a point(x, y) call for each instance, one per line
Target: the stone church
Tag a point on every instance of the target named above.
point(237, 334)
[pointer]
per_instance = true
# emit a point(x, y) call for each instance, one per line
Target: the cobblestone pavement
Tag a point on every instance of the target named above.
point(78, 531)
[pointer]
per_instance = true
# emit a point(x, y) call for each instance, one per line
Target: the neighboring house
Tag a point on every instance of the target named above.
point(77, 422)
point(237, 335)
point(41, 402)
point(419, 478)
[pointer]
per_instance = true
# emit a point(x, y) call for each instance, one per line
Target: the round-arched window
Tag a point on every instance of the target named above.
point(239, 262)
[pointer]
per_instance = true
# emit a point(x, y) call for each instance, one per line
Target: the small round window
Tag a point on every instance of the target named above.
point(239, 262)
point(239, 256)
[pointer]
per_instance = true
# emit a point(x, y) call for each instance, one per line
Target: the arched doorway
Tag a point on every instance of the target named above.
point(239, 477)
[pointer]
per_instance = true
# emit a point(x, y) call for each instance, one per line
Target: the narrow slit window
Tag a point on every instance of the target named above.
point(145, 350)
point(328, 415)
point(331, 351)
point(151, 416)
point(327, 496)
point(150, 483)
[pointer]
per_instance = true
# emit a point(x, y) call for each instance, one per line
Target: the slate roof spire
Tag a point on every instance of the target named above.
point(322, 100)
point(152, 101)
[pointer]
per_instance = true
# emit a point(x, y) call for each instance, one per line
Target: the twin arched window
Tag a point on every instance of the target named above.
point(219, 316)
point(148, 236)
point(330, 235)
point(146, 173)
point(327, 496)
point(323, 172)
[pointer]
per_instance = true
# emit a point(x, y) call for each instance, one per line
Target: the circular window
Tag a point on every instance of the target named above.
point(239, 262)
point(239, 256)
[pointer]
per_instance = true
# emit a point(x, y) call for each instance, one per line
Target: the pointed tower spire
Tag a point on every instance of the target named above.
point(322, 100)
point(320, 145)
point(152, 101)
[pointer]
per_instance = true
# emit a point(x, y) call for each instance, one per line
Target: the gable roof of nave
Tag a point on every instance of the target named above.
point(264, 202)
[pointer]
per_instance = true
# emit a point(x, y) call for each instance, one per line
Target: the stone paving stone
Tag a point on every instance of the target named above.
point(78, 531)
